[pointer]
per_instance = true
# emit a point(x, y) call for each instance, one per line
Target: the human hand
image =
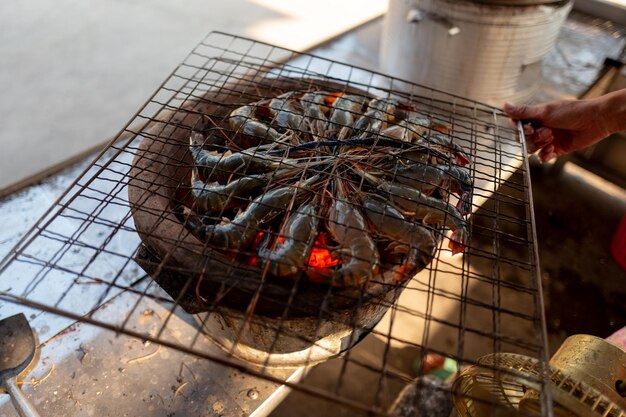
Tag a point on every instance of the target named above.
point(562, 126)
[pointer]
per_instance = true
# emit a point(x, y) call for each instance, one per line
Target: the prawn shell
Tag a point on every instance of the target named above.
point(416, 240)
point(287, 258)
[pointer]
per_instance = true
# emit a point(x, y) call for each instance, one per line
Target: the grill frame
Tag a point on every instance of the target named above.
point(115, 149)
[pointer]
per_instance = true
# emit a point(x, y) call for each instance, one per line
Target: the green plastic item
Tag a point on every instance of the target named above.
point(450, 366)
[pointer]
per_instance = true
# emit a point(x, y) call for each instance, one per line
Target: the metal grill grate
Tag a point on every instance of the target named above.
point(93, 243)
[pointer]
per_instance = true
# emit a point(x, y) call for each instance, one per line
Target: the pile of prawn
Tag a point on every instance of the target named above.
point(339, 187)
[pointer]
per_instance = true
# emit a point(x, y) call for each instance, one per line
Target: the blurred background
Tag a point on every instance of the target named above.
point(73, 73)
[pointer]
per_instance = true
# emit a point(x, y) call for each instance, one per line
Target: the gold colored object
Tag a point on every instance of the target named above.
point(586, 377)
point(599, 363)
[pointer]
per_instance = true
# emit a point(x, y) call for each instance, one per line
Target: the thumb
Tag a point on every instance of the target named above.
point(523, 112)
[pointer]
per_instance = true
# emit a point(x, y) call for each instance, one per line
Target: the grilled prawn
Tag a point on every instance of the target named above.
point(289, 253)
point(375, 169)
point(220, 167)
point(243, 120)
point(359, 255)
point(415, 241)
point(344, 110)
point(240, 232)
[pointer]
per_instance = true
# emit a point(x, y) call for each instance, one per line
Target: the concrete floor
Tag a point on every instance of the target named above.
point(72, 73)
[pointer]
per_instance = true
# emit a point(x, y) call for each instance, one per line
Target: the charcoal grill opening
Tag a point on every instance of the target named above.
point(246, 310)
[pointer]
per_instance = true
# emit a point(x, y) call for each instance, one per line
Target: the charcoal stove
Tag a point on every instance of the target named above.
point(306, 334)
point(141, 171)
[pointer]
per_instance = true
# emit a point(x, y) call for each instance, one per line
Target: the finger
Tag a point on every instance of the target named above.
point(547, 153)
point(543, 136)
point(540, 139)
point(524, 112)
point(528, 129)
point(549, 156)
point(531, 146)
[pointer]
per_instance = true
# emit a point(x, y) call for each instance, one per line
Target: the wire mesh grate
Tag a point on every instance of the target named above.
point(133, 224)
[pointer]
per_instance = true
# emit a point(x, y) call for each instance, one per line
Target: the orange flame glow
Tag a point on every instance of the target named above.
point(322, 258)
point(330, 99)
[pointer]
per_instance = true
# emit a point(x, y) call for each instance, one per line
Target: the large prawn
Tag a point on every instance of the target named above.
point(287, 111)
point(441, 177)
point(428, 134)
point(444, 143)
point(290, 252)
point(243, 229)
point(422, 207)
point(314, 105)
point(359, 256)
point(344, 109)
point(243, 120)
point(379, 115)
point(215, 197)
point(220, 167)
point(410, 238)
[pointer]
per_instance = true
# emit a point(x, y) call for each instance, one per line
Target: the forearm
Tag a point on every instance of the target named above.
point(612, 109)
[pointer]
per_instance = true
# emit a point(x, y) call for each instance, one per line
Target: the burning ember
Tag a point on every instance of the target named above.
point(320, 258)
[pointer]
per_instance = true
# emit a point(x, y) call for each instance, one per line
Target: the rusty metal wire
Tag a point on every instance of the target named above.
point(487, 300)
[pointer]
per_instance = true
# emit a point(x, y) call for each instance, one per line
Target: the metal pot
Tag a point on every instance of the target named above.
point(487, 52)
